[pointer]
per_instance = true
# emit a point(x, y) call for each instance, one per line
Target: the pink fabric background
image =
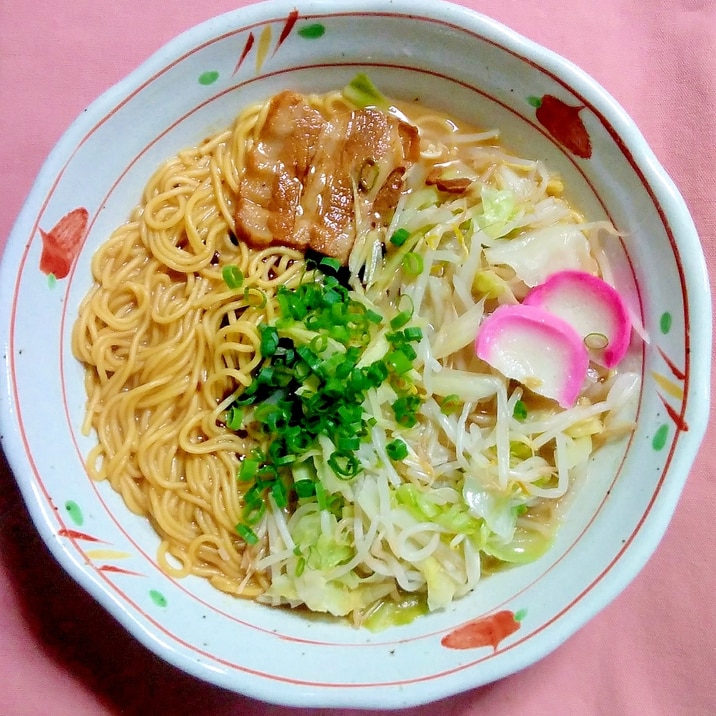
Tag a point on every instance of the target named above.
point(652, 651)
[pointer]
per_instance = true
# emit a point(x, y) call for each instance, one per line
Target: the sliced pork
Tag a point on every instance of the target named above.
point(304, 175)
point(274, 172)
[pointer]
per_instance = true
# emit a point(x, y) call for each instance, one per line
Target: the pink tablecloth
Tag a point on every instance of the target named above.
point(653, 651)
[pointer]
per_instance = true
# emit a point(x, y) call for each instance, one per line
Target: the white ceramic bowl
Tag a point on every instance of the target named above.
point(449, 58)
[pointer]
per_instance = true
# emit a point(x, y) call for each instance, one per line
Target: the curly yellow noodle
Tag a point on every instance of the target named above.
point(167, 347)
point(167, 548)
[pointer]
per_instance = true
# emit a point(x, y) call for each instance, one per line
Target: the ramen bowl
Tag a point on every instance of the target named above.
point(445, 57)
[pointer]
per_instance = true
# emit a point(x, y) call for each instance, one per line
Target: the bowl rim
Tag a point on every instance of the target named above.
point(665, 193)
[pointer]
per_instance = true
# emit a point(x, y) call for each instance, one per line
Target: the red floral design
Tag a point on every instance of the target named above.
point(61, 245)
point(485, 631)
point(564, 123)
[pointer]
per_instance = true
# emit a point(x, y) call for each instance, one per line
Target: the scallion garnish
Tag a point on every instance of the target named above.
point(399, 237)
point(413, 263)
point(405, 410)
point(233, 276)
point(304, 488)
point(399, 320)
point(279, 494)
point(398, 362)
point(253, 512)
point(321, 497)
point(520, 410)
point(413, 333)
point(234, 418)
point(450, 403)
point(255, 297)
point(397, 449)
point(311, 386)
point(319, 343)
point(328, 262)
point(249, 468)
point(247, 534)
point(344, 464)
point(376, 373)
point(269, 340)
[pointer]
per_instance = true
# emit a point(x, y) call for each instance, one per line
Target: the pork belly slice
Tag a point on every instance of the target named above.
point(275, 169)
point(303, 176)
point(362, 155)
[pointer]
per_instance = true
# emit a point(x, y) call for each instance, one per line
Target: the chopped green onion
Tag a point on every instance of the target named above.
point(234, 418)
point(297, 440)
point(401, 319)
point(408, 351)
point(376, 372)
point(266, 475)
point(311, 385)
point(278, 492)
point(305, 488)
point(331, 364)
point(283, 460)
point(319, 343)
point(254, 496)
point(321, 497)
point(249, 468)
point(330, 281)
point(357, 381)
point(405, 409)
point(247, 534)
point(339, 333)
point(334, 387)
point(268, 413)
point(232, 275)
point(399, 237)
point(413, 263)
point(269, 340)
point(332, 297)
point(344, 464)
point(520, 411)
point(292, 305)
point(397, 449)
point(301, 370)
point(253, 512)
point(255, 297)
point(277, 450)
point(347, 443)
point(398, 362)
point(450, 403)
point(351, 356)
point(328, 262)
point(407, 420)
point(314, 362)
